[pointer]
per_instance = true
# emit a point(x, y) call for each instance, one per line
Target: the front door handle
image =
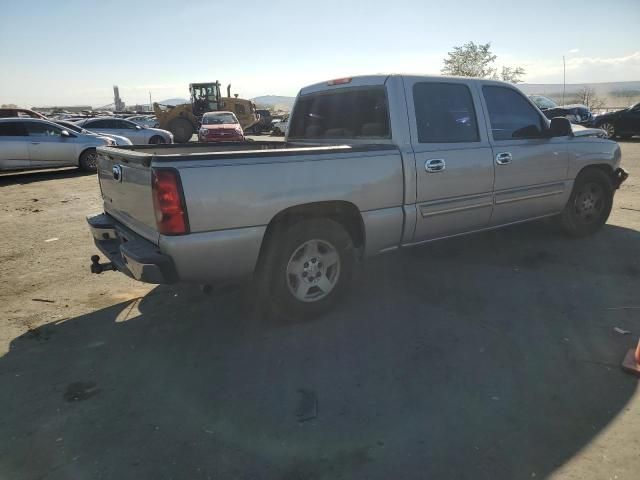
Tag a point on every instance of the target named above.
point(504, 158)
point(434, 165)
point(35, 143)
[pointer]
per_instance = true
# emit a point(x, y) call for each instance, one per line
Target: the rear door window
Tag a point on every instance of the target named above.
point(12, 129)
point(344, 113)
point(445, 113)
point(102, 123)
point(123, 125)
point(511, 115)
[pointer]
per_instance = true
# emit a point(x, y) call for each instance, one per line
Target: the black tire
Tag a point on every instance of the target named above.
point(289, 247)
point(182, 130)
point(276, 132)
point(589, 205)
point(156, 140)
point(88, 160)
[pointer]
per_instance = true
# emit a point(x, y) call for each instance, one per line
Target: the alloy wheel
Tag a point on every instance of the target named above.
point(589, 202)
point(608, 129)
point(313, 270)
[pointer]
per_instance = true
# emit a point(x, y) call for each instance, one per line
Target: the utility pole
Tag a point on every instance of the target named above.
point(564, 78)
point(150, 104)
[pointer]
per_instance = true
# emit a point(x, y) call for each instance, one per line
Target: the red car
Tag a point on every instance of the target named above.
point(220, 127)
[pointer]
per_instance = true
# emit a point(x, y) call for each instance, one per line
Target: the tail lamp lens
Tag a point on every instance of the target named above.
point(171, 214)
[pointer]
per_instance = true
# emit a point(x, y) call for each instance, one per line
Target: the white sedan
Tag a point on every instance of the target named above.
point(138, 134)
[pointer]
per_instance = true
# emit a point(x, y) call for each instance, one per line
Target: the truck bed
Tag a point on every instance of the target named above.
point(145, 154)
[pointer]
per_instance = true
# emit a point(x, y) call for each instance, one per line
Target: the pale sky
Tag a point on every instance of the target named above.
point(72, 52)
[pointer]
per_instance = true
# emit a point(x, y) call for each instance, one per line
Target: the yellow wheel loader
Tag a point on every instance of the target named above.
point(184, 120)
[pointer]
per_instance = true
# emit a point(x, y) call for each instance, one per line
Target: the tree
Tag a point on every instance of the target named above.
point(9, 105)
point(587, 96)
point(472, 60)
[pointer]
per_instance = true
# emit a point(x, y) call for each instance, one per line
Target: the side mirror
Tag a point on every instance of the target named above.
point(560, 127)
point(65, 134)
point(138, 127)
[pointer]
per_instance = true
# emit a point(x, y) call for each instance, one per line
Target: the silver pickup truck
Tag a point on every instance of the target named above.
point(370, 164)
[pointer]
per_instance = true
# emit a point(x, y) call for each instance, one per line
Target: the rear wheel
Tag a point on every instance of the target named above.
point(156, 140)
point(589, 205)
point(609, 129)
point(182, 130)
point(308, 268)
point(89, 160)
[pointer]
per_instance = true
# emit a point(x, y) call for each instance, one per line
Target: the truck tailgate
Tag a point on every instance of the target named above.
point(125, 182)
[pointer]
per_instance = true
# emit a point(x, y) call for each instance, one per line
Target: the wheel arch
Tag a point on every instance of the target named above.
point(82, 152)
point(343, 212)
point(603, 167)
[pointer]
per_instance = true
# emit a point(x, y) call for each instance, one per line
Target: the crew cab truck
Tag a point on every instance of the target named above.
point(370, 164)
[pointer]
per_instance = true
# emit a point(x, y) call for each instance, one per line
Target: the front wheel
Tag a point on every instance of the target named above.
point(308, 268)
point(609, 129)
point(156, 140)
point(89, 160)
point(182, 130)
point(589, 205)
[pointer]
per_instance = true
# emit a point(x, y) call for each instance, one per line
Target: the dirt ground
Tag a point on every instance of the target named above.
point(484, 357)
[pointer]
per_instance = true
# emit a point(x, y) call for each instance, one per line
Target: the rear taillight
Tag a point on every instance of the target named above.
point(171, 214)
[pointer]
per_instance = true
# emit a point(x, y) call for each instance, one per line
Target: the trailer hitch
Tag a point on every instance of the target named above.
point(97, 267)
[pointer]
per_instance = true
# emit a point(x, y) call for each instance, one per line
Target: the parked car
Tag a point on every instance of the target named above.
point(220, 127)
point(34, 143)
point(369, 165)
point(118, 126)
point(279, 127)
point(623, 123)
point(575, 113)
point(145, 120)
point(20, 112)
point(72, 127)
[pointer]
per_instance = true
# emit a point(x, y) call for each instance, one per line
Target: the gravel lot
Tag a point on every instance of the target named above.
point(489, 356)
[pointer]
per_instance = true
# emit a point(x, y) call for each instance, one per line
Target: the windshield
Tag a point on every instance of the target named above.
point(219, 119)
point(543, 102)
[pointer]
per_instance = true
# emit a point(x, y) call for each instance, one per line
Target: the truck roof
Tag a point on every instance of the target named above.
point(381, 79)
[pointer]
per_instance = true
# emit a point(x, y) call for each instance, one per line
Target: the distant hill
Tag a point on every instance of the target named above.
point(275, 101)
point(619, 94)
point(174, 101)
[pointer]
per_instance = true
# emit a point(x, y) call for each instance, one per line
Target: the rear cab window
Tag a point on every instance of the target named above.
point(445, 113)
point(356, 112)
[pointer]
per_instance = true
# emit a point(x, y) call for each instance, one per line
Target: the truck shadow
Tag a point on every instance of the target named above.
point(24, 177)
point(484, 357)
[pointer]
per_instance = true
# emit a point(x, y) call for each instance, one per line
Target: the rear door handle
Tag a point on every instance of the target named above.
point(435, 165)
point(504, 158)
point(35, 143)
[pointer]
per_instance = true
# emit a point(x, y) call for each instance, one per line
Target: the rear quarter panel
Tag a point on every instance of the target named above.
point(223, 195)
point(230, 204)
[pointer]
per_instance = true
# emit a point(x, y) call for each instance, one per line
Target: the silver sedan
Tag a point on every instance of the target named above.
point(138, 134)
point(33, 143)
point(72, 127)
